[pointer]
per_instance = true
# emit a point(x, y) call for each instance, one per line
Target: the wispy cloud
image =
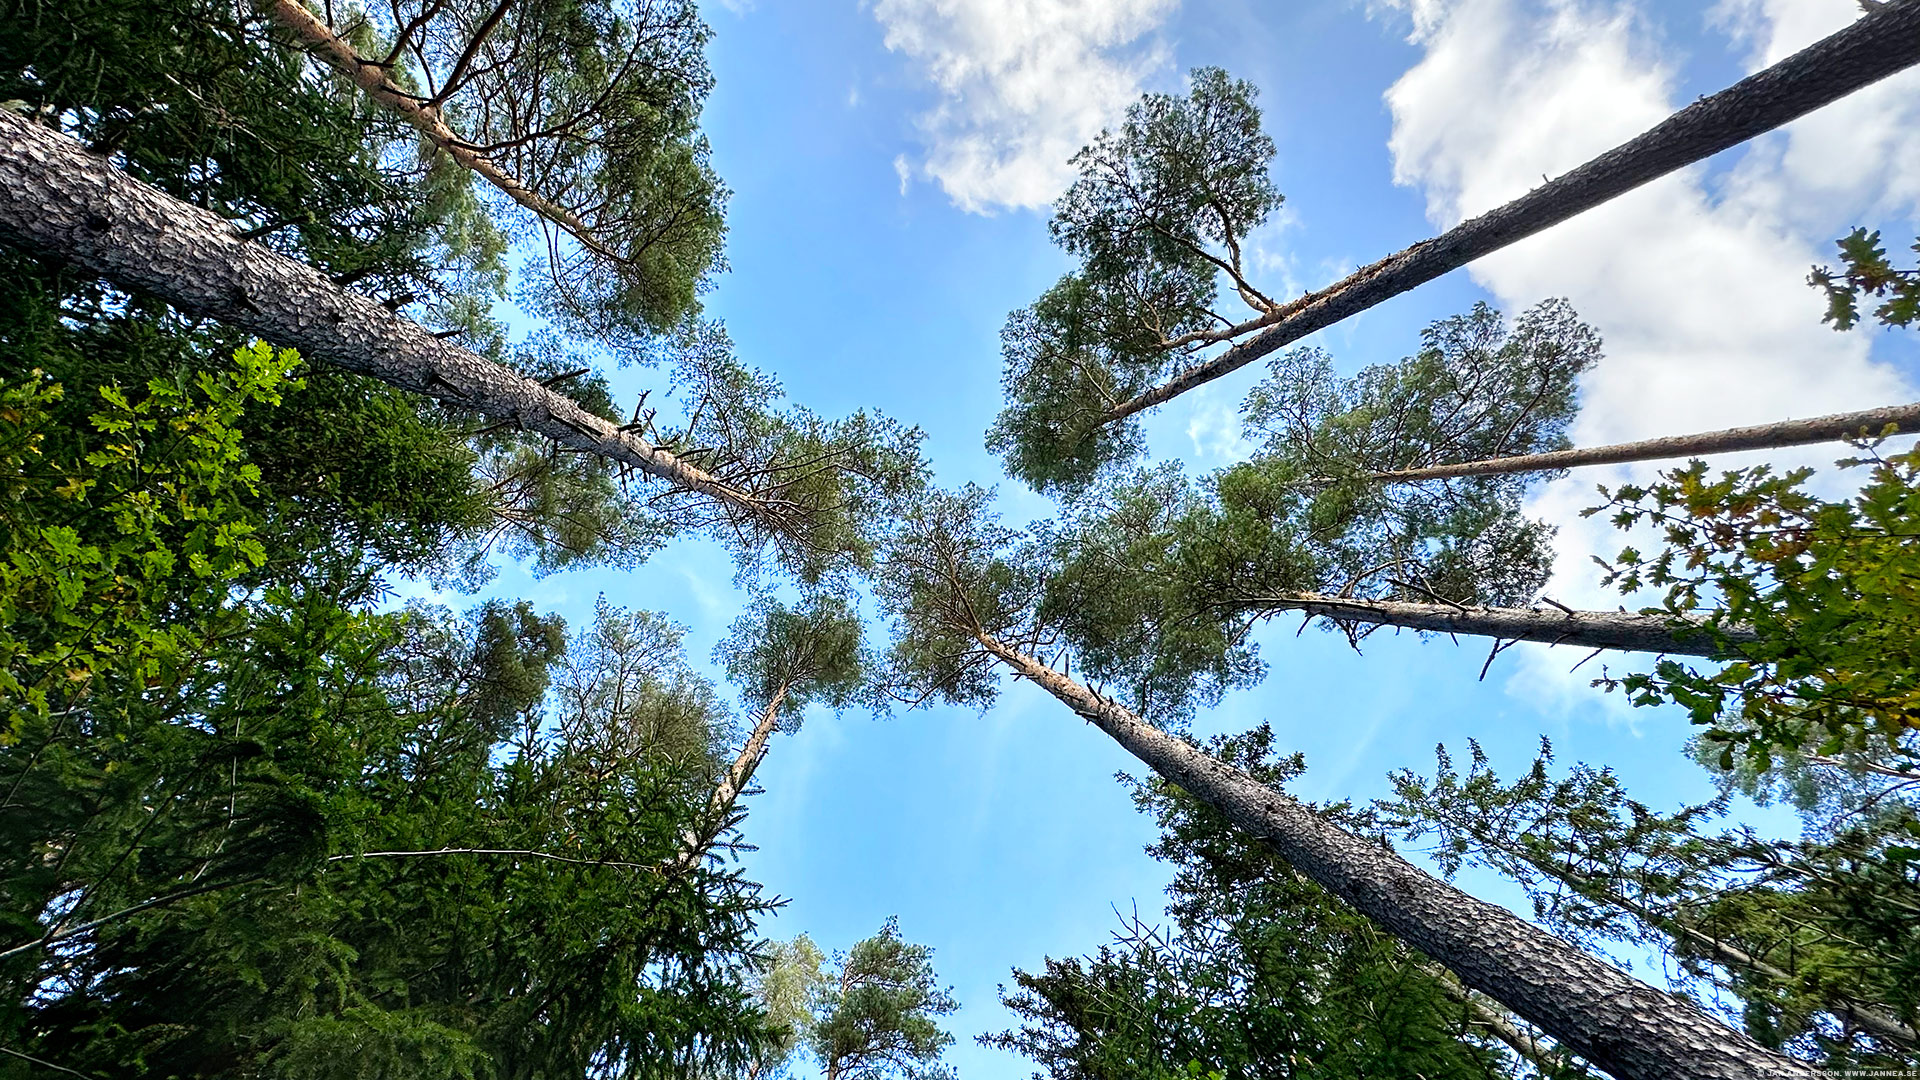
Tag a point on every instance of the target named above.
point(1023, 85)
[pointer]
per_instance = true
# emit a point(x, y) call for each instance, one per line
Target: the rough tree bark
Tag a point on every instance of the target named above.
point(1622, 1025)
point(61, 202)
point(1586, 629)
point(1880, 43)
point(1868, 423)
point(372, 78)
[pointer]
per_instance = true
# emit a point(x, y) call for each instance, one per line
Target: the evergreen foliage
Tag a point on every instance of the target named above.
point(877, 1012)
point(254, 822)
point(1158, 579)
point(592, 105)
point(273, 832)
point(805, 654)
point(1806, 937)
point(1158, 214)
point(1260, 974)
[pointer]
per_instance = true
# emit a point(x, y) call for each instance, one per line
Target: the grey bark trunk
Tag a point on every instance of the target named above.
point(60, 202)
point(1585, 629)
point(1868, 423)
point(1609, 1018)
point(1884, 41)
point(372, 78)
point(728, 790)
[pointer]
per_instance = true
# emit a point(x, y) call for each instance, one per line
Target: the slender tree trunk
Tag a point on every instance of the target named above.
point(1868, 423)
point(1877, 45)
point(694, 844)
point(1586, 629)
point(372, 78)
point(60, 202)
point(1620, 1024)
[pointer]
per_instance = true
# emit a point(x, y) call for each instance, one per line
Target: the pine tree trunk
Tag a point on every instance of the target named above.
point(372, 78)
point(1585, 629)
point(749, 757)
point(1622, 1025)
point(1868, 423)
point(60, 202)
point(728, 790)
point(1879, 44)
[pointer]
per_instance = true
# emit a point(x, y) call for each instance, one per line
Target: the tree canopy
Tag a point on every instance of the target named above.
point(258, 367)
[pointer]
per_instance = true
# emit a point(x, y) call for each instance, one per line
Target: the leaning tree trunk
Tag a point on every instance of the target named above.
point(1586, 629)
point(61, 202)
point(727, 791)
point(1596, 1010)
point(372, 77)
point(1868, 423)
point(1877, 45)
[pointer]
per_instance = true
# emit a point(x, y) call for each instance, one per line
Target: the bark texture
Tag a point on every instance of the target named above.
point(1618, 1023)
point(61, 202)
point(1868, 423)
point(1586, 629)
point(322, 42)
point(1880, 43)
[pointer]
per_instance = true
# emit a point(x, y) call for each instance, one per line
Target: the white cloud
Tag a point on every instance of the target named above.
point(1697, 283)
point(1023, 85)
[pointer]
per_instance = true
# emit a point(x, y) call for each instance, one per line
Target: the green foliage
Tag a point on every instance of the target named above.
point(1157, 215)
point(808, 653)
point(1260, 974)
point(1797, 934)
point(786, 988)
point(349, 889)
point(556, 507)
point(1476, 389)
point(1830, 589)
point(835, 482)
point(156, 517)
point(945, 580)
point(247, 826)
point(1158, 580)
point(1867, 273)
point(217, 741)
point(192, 97)
point(594, 105)
point(1069, 358)
point(877, 1012)
point(626, 688)
point(1136, 572)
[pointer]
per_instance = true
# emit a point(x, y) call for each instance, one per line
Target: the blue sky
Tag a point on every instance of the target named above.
point(891, 161)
